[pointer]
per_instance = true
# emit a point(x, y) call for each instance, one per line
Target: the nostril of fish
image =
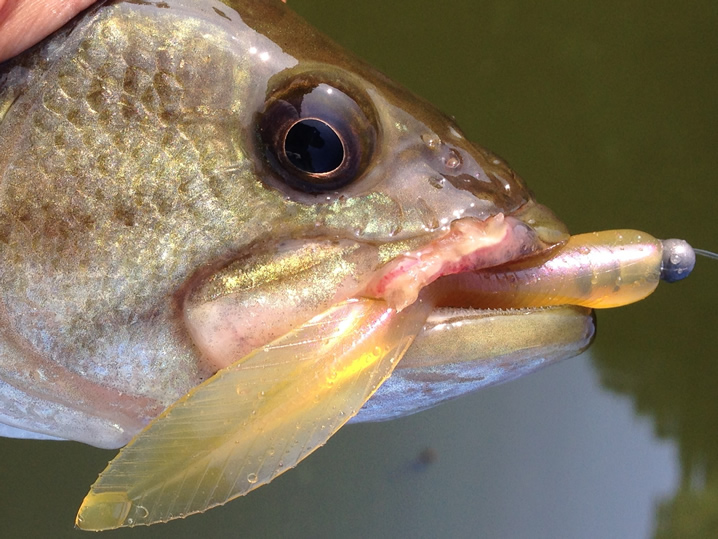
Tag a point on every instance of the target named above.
point(452, 160)
point(448, 157)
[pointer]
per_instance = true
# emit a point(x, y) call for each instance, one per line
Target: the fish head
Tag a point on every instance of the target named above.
point(387, 175)
point(184, 182)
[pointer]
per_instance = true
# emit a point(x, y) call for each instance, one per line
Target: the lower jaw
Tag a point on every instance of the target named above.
point(463, 350)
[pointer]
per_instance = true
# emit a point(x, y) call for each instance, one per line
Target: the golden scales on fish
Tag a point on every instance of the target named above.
point(222, 237)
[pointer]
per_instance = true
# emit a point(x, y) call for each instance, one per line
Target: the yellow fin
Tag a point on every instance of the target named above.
point(255, 419)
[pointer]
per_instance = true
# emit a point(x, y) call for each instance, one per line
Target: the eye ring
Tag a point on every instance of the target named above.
point(316, 137)
point(301, 158)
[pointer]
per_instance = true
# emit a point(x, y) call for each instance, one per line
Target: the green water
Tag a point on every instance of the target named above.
point(609, 111)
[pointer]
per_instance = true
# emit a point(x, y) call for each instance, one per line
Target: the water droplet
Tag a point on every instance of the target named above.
point(252, 478)
point(584, 250)
point(428, 216)
point(432, 141)
point(675, 259)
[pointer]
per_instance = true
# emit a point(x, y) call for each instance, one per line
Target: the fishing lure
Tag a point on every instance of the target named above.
point(599, 270)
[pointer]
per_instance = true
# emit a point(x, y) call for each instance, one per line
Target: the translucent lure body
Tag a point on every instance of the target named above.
point(599, 270)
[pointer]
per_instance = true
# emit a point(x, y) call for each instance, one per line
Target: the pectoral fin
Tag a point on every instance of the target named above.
point(255, 419)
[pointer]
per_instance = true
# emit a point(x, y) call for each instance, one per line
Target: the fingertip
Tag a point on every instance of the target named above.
point(27, 22)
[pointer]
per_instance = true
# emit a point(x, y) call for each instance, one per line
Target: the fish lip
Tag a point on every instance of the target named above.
point(468, 245)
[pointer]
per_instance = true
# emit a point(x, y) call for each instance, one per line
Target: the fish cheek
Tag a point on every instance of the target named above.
point(269, 291)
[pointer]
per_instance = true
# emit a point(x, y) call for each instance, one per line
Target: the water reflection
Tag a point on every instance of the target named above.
point(672, 381)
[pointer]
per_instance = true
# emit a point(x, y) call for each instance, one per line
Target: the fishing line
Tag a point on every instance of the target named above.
point(707, 254)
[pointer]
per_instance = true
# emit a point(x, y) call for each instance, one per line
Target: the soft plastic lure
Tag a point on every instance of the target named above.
point(599, 270)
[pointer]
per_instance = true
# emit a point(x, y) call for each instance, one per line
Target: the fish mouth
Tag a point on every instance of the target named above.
point(466, 342)
point(469, 246)
point(265, 294)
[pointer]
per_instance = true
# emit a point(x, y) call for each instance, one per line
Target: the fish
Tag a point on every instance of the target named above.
point(223, 238)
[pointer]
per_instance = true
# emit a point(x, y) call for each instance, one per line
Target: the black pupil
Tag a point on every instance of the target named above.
point(314, 147)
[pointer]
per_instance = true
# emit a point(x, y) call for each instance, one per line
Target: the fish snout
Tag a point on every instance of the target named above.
point(483, 185)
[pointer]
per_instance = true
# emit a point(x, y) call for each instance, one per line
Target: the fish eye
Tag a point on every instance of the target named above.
point(315, 136)
point(313, 146)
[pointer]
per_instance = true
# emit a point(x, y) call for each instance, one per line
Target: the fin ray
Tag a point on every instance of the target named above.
point(255, 419)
